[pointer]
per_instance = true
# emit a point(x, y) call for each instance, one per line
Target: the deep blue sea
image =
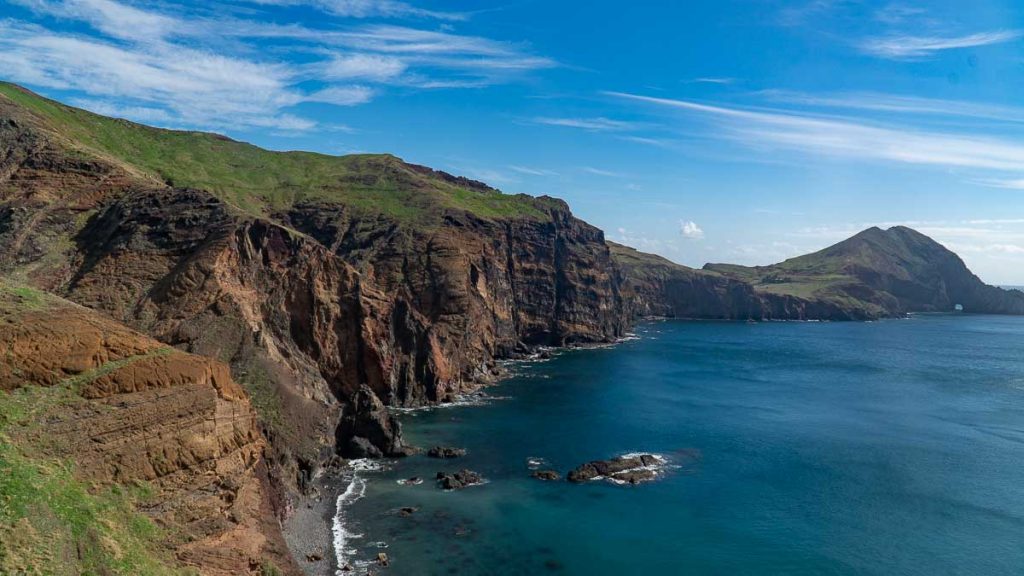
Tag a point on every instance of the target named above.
point(893, 447)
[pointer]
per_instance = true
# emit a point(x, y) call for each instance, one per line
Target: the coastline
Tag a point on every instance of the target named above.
point(316, 531)
point(307, 530)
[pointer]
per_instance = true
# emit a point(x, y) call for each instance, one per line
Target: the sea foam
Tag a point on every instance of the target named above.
point(356, 489)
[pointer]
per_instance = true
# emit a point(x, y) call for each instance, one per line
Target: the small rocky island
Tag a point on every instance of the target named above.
point(459, 480)
point(626, 469)
point(446, 452)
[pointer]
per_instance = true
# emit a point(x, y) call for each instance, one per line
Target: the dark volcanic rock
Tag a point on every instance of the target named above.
point(367, 430)
point(446, 452)
point(546, 475)
point(631, 469)
point(458, 480)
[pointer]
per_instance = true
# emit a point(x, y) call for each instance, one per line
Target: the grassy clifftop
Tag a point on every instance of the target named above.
point(261, 181)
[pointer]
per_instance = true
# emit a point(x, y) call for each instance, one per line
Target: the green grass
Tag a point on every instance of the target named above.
point(261, 181)
point(52, 523)
point(264, 397)
point(16, 298)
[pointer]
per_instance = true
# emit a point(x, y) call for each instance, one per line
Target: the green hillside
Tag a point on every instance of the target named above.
point(262, 181)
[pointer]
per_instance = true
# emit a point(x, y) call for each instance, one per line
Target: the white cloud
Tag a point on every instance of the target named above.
point(533, 171)
point(342, 95)
point(906, 47)
point(600, 172)
point(880, 102)
point(897, 13)
point(364, 66)
point(202, 71)
point(690, 230)
point(112, 18)
point(851, 138)
point(713, 80)
point(367, 8)
point(431, 59)
point(197, 87)
point(1007, 183)
point(659, 142)
point(591, 124)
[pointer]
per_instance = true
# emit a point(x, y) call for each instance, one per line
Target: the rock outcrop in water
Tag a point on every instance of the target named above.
point(628, 469)
point(446, 452)
point(458, 480)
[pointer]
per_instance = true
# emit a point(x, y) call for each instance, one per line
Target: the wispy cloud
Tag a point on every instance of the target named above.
point(1006, 183)
point(908, 47)
point(342, 95)
point(591, 124)
point(193, 86)
point(194, 69)
point(600, 172)
point(849, 137)
point(363, 67)
point(112, 18)
point(659, 142)
point(533, 171)
point(713, 80)
point(879, 102)
point(801, 12)
point(899, 13)
point(367, 8)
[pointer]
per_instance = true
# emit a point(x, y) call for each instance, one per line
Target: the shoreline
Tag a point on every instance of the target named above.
point(307, 531)
point(317, 527)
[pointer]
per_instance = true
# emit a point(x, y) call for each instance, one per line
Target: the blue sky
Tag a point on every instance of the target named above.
point(735, 131)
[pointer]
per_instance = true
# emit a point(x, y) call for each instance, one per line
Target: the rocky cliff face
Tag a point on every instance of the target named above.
point(655, 287)
point(324, 310)
point(125, 409)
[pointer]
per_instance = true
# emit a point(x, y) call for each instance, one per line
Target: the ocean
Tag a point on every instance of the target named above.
point(891, 447)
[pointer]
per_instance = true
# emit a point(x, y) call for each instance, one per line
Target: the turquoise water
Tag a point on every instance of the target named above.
point(892, 447)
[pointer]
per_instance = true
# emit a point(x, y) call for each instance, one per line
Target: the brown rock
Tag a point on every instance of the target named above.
point(446, 452)
point(458, 480)
point(631, 469)
point(141, 411)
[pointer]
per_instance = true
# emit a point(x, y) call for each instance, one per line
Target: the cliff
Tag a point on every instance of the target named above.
point(123, 455)
point(655, 286)
point(314, 277)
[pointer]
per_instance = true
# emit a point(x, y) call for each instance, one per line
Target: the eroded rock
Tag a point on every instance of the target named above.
point(631, 469)
point(458, 480)
point(446, 452)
